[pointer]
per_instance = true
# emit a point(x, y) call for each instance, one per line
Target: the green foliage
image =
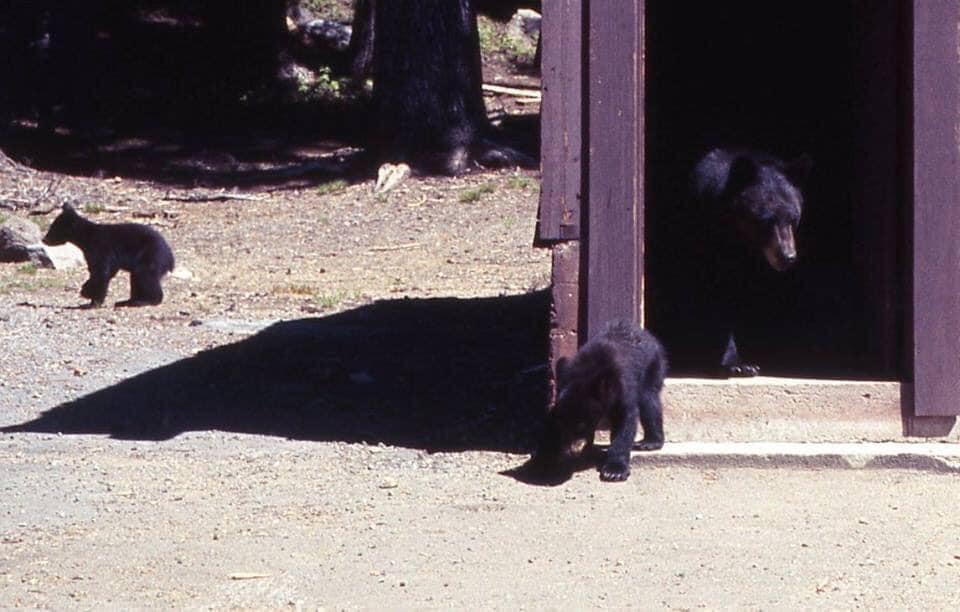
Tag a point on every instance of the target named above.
point(332, 187)
point(93, 209)
point(520, 182)
point(475, 195)
point(320, 301)
point(27, 269)
point(494, 39)
point(323, 86)
point(332, 301)
point(25, 279)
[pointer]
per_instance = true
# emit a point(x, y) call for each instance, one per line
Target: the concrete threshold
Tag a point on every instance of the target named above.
point(926, 456)
point(791, 410)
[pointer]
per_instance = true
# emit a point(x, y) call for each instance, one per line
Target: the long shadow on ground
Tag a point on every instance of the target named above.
point(435, 374)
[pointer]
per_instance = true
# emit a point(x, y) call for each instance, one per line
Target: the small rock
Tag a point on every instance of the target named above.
point(389, 176)
point(526, 21)
point(327, 34)
point(179, 272)
point(17, 235)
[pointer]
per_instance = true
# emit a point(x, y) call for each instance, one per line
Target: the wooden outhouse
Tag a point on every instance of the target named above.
point(871, 90)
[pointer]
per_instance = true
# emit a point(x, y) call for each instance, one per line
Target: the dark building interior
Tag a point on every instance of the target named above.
point(825, 79)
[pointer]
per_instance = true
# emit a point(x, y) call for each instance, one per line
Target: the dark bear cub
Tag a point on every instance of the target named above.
point(748, 205)
point(618, 374)
point(108, 248)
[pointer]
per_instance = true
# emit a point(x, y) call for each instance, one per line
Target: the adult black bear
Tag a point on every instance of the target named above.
point(108, 248)
point(618, 374)
point(745, 205)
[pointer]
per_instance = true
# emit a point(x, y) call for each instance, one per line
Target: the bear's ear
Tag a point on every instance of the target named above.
point(743, 171)
point(798, 169)
point(68, 208)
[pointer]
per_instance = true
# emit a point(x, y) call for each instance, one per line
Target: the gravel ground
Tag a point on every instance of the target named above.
point(325, 414)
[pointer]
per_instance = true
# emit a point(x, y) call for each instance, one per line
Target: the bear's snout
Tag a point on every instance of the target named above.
point(781, 251)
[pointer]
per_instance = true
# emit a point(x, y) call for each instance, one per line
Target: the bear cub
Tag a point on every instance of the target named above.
point(619, 375)
point(108, 248)
point(749, 205)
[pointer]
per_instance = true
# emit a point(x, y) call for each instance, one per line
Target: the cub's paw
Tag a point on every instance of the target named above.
point(614, 471)
point(743, 370)
point(132, 303)
point(648, 445)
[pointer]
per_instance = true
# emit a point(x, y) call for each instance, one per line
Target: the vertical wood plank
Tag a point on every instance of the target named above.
point(561, 141)
point(613, 262)
point(936, 209)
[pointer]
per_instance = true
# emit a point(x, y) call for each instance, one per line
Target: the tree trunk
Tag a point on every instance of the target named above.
point(361, 40)
point(427, 93)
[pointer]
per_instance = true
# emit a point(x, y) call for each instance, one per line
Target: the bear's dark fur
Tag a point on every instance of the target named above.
point(746, 206)
point(108, 248)
point(617, 375)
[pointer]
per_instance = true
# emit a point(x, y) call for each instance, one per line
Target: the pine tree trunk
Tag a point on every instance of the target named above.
point(427, 84)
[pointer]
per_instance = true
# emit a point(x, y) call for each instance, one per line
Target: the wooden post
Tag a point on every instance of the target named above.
point(561, 143)
point(612, 266)
point(934, 331)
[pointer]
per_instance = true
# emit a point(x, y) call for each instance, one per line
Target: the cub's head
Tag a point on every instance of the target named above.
point(63, 227)
point(586, 388)
point(766, 199)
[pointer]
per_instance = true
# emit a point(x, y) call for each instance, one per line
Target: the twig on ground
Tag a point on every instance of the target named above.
point(212, 197)
point(394, 247)
point(512, 91)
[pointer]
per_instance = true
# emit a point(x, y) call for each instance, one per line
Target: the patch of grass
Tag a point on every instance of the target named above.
point(321, 301)
point(475, 195)
point(25, 279)
point(332, 301)
point(520, 182)
point(93, 209)
point(296, 289)
point(332, 187)
point(27, 269)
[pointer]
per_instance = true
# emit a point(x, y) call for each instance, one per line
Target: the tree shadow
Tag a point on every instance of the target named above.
point(435, 374)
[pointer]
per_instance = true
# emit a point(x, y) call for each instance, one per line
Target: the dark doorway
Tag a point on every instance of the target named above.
point(825, 80)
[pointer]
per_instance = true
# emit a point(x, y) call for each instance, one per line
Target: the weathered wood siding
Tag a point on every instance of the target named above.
point(935, 328)
point(614, 233)
point(561, 118)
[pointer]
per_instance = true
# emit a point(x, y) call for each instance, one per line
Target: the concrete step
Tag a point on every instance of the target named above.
point(927, 456)
point(788, 410)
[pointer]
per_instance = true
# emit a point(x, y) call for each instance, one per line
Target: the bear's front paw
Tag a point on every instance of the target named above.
point(648, 445)
point(614, 471)
point(743, 370)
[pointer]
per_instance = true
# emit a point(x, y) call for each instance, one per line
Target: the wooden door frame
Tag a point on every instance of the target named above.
point(593, 146)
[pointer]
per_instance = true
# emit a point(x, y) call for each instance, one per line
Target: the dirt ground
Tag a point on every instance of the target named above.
point(325, 414)
point(326, 410)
